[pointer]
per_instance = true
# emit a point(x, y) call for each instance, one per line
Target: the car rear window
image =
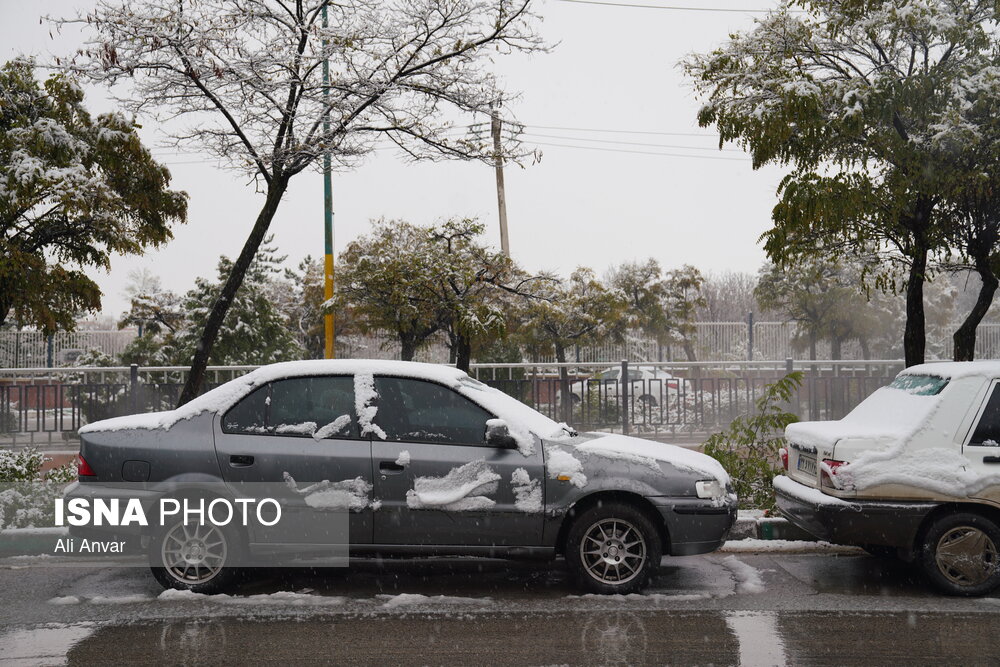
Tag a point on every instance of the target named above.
point(920, 385)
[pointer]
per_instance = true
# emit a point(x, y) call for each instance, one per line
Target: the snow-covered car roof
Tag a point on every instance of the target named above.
point(520, 416)
point(957, 369)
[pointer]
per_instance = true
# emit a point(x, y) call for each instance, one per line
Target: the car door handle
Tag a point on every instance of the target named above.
point(991, 459)
point(240, 460)
point(390, 467)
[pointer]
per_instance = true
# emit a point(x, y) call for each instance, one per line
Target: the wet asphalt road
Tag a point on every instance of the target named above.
point(722, 609)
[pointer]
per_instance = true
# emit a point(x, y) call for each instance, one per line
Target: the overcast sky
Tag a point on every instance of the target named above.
point(613, 68)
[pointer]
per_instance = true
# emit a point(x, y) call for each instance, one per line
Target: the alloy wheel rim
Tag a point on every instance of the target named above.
point(194, 554)
point(966, 556)
point(613, 551)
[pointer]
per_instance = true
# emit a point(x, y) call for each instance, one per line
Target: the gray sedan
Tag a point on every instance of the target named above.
point(418, 460)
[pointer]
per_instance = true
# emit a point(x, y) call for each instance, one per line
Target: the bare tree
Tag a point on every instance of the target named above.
point(247, 77)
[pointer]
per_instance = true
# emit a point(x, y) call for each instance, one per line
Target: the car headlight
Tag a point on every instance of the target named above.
point(710, 489)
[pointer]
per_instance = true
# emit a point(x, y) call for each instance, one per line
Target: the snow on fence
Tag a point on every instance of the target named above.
point(47, 406)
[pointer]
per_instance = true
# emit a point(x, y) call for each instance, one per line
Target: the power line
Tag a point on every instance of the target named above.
point(594, 129)
point(673, 8)
point(631, 143)
point(625, 150)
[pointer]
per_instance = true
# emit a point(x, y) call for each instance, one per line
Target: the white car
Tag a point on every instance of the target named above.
point(647, 384)
point(914, 471)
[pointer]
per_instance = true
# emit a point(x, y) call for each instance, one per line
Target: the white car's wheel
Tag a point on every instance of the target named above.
point(961, 554)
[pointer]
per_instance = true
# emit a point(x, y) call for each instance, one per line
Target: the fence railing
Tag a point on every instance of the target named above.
point(711, 340)
point(47, 406)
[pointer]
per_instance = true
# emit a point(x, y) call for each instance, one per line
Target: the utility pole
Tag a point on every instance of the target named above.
point(496, 126)
point(328, 348)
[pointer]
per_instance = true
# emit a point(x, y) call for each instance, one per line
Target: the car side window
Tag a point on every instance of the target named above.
point(320, 407)
point(988, 429)
point(417, 410)
point(250, 414)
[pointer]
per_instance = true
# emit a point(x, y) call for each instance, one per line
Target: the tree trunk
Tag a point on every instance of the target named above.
point(914, 335)
point(836, 343)
point(216, 318)
point(407, 348)
point(812, 346)
point(965, 336)
point(866, 352)
point(689, 350)
point(463, 353)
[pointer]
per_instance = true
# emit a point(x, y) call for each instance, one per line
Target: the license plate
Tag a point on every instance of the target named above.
point(807, 464)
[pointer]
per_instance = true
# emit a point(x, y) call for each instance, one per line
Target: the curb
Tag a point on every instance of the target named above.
point(30, 541)
point(768, 528)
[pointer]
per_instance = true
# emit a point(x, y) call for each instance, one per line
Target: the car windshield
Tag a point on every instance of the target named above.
point(920, 385)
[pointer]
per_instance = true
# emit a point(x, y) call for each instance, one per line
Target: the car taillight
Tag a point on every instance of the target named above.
point(83, 468)
point(783, 454)
point(828, 472)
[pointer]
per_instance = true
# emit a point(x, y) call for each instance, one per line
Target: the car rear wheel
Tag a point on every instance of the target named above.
point(195, 557)
point(960, 554)
point(613, 548)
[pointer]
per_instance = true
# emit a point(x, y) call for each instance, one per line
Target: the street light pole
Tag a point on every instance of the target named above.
point(328, 323)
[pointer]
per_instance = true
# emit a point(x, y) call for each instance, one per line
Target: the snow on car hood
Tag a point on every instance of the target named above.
point(889, 416)
point(637, 450)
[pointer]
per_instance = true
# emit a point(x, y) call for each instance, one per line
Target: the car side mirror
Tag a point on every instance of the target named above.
point(498, 435)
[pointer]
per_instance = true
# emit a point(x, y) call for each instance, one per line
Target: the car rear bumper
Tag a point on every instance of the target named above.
point(695, 526)
point(859, 522)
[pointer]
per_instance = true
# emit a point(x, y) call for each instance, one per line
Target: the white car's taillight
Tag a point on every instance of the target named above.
point(828, 473)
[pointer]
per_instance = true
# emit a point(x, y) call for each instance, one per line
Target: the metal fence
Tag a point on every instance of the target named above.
point(713, 341)
point(676, 399)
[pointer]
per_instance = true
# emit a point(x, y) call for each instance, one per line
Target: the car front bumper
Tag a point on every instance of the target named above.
point(857, 522)
point(695, 526)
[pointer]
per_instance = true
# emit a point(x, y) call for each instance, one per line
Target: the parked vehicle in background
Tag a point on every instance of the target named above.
point(647, 384)
point(427, 461)
point(913, 471)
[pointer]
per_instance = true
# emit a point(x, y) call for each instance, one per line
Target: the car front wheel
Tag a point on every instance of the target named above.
point(960, 554)
point(194, 557)
point(613, 548)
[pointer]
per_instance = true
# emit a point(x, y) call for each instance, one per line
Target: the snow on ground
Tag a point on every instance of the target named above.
point(65, 599)
point(463, 488)
point(417, 599)
point(748, 578)
point(789, 546)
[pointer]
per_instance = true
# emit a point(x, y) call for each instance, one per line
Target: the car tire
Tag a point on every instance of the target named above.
point(197, 559)
point(960, 554)
point(613, 548)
